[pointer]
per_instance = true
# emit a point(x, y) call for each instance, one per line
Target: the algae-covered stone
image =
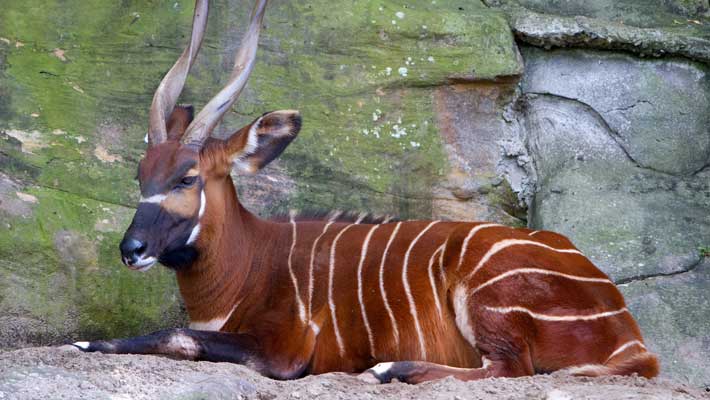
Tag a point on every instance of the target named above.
point(76, 81)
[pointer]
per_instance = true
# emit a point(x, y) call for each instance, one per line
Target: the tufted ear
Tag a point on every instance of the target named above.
point(255, 145)
point(179, 120)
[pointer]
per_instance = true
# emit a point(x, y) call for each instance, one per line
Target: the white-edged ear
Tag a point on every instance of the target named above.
point(257, 144)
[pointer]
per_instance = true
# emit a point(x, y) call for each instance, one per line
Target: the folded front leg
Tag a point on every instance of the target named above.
point(187, 344)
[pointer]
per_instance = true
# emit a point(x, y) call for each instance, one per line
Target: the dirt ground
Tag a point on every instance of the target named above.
point(55, 373)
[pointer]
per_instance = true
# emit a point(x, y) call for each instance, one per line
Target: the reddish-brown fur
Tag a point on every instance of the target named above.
point(461, 299)
point(267, 303)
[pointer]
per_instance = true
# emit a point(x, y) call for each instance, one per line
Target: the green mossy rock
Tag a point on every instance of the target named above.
point(76, 81)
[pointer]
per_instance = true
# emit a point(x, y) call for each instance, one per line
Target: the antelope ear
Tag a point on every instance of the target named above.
point(255, 145)
point(179, 120)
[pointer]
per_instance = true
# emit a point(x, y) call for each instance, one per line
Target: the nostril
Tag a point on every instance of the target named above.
point(140, 249)
point(132, 248)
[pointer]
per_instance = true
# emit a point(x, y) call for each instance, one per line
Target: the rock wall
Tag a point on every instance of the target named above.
point(532, 112)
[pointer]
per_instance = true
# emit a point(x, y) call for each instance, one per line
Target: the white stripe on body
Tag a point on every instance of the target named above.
point(555, 318)
point(363, 255)
point(538, 271)
point(299, 302)
point(444, 280)
point(310, 265)
point(464, 245)
point(434, 290)
point(383, 292)
point(624, 347)
point(331, 302)
point(503, 244)
point(408, 290)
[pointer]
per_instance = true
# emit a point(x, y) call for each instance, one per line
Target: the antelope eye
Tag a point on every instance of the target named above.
point(188, 181)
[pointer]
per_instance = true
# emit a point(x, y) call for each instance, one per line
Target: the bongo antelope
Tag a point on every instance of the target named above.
point(415, 300)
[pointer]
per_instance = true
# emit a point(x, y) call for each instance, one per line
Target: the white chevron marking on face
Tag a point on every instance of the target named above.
point(154, 199)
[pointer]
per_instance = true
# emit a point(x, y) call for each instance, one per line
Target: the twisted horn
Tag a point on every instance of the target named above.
point(212, 113)
point(170, 87)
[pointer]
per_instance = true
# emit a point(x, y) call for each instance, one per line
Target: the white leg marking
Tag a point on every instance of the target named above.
point(382, 368)
point(464, 245)
point(331, 302)
point(624, 347)
point(82, 345)
point(383, 292)
point(363, 254)
point(538, 271)
point(461, 310)
point(183, 345)
point(215, 324)
point(408, 290)
point(556, 318)
point(155, 199)
point(310, 265)
point(515, 242)
point(297, 293)
point(434, 290)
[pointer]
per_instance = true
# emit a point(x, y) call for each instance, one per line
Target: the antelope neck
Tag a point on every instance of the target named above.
point(223, 272)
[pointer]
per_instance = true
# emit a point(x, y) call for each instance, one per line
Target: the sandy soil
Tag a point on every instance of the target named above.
point(54, 373)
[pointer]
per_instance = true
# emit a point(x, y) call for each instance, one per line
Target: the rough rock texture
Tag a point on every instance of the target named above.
point(51, 373)
point(621, 150)
point(644, 27)
point(422, 109)
point(603, 130)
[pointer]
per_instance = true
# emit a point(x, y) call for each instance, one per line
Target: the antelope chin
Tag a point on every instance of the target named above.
point(143, 264)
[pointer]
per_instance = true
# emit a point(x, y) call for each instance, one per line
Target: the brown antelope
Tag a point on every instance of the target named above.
point(415, 300)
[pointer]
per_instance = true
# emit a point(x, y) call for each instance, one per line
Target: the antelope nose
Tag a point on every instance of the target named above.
point(131, 250)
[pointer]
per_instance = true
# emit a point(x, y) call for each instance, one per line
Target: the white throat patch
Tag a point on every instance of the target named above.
point(196, 230)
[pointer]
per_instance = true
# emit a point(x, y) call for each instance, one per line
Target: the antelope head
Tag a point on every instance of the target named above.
point(182, 162)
